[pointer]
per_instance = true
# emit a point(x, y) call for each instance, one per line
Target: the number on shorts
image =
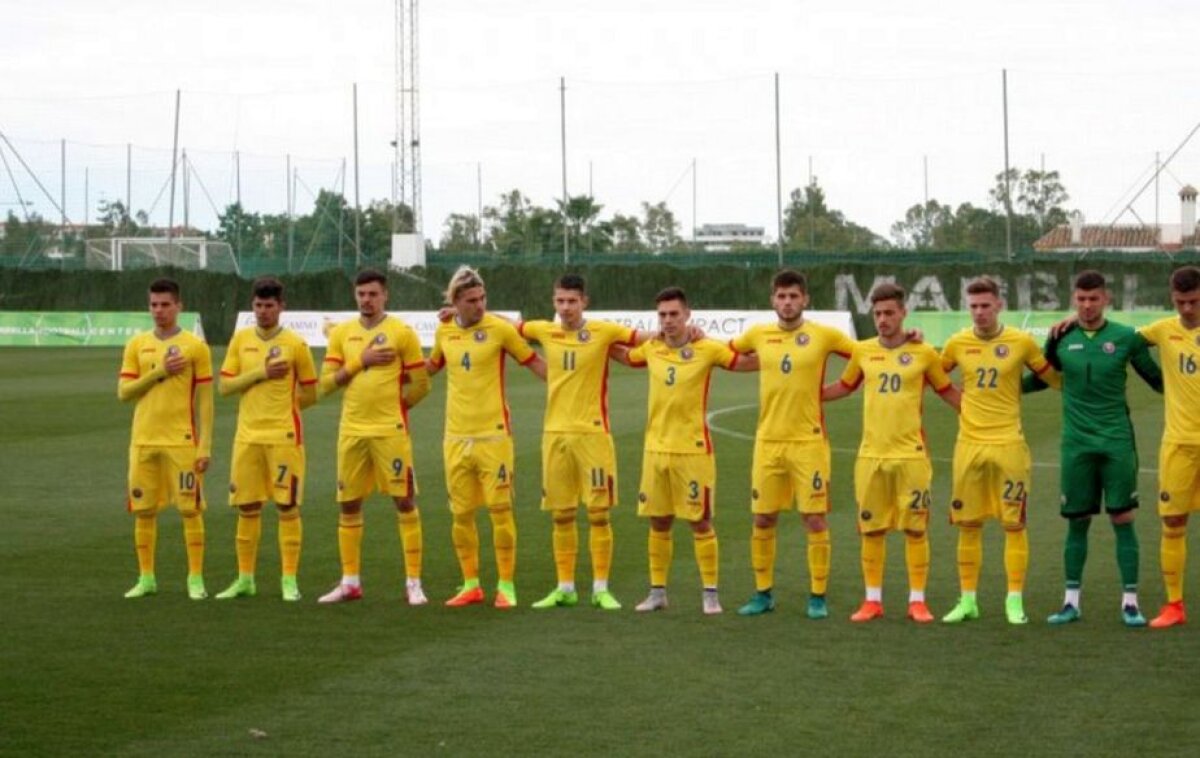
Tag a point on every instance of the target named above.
point(568, 360)
point(1187, 363)
point(670, 375)
point(921, 500)
point(282, 475)
point(889, 382)
point(985, 378)
point(1014, 491)
point(817, 482)
point(502, 474)
point(466, 362)
point(597, 477)
point(694, 490)
point(187, 480)
point(397, 466)
point(785, 365)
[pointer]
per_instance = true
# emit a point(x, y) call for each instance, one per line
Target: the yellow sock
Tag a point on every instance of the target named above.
point(193, 539)
point(566, 546)
point(145, 537)
point(600, 543)
point(661, 548)
point(970, 557)
point(1016, 558)
point(820, 552)
point(408, 524)
point(1173, 555)
point(504, 542)
point(762, 556)
point(706, 557)
point(874, 556)
point(465, 536)
point(249, 532)
point(916, 557)
point(350, 534)
point(291, 534)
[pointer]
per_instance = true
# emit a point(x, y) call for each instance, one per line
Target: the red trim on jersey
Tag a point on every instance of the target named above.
point(612, 495)
point(504, 397)
point(1044, 369)
point(292, 490)
point(400, 398)
point(412, 366)
point(949, 386)
point(307, 382)
point(529, 360)
point(707, 505)
point(192, 411)
point(604, 395)
point(229, 374)
point(521, 329)
point(820, 402)
point(437, 363)
point(632, 341)
point(204, 380)
point(297, 426)
point(704, 413)
point(850, 387)
point(733, 363)
point(127, 375)
point(412, 482)
point(637, 364)
point(333, 359)
point(837, 352)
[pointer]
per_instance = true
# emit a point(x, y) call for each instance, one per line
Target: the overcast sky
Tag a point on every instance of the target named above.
point(869, 91)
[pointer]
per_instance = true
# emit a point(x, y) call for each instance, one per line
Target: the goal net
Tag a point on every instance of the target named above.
point(121, 253)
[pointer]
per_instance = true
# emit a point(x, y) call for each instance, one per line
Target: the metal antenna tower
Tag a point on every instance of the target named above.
point(407, 178)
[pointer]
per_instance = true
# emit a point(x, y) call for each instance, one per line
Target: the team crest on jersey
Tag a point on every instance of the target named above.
point(905, 359)
point(173, 350)
point(480, 335)
point(1001, 351)
point(1109, 348)
point(803, 339)
point(274, 352)
point(584, 335)
point(379, 339)
point(687, 353)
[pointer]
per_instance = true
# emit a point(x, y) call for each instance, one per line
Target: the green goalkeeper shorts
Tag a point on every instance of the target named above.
point(1091, 476)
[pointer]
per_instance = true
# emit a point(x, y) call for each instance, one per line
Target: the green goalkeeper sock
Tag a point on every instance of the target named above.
point(1127, 555)
point(1075, 550)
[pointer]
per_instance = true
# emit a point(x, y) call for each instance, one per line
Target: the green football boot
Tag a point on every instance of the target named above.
point(146, 585)
point(557, 599)
point(289, 588)
point(817, 609)
point(506, 596)
point(1014, 609)
point(1132, 616)
point(966, 610)
point(760, 602)
point(1068, 614)
point(195, 585)
point(243, 586)
point(604, 600)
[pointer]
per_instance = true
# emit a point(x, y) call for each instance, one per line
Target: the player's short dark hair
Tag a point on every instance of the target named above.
point(671, 293)
point(1090, 280)
point(983, 285)
point(790, 278)
point(165, 285)
point(888, 291)
point(1186, 279)
point(369, 275)
point(267, 288)
point(571, 282)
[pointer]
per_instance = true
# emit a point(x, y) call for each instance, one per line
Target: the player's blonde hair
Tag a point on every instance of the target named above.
point(464, 278)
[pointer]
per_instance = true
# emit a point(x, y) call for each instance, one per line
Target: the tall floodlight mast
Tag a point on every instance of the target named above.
point(407, 144)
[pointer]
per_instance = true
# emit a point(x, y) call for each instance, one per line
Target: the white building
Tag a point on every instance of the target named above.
point(721, 237)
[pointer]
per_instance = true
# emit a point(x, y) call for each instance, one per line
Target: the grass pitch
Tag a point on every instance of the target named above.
point(84, 671)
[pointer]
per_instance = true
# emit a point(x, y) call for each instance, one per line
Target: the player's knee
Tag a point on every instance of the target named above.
point(405, 504)
point(285, 507)
point(189, 514)
point(701, 527)
point(350, 507)
point(766, 520)
point(1124, 517)
point(1014, 528)
point(815, 522)
point(876, 533)
point(1175, 522)
point(661, 523)
point(914, 533)
point(250, 508)
point(598, 517)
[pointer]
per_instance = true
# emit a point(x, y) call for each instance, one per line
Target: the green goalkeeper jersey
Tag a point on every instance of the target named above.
point(1094, 368)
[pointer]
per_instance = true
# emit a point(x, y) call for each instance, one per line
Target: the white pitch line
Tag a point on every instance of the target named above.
point(849, 451)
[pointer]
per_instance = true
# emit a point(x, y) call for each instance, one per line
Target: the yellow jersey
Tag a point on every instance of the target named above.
point(166, 415)
point(679, 380)
point(576, 372)
point(895, 380)
point(791, 374)
point(474, 359)
point(1179, 354)
point(374, 402)
point(991, 381)
point(269, 411)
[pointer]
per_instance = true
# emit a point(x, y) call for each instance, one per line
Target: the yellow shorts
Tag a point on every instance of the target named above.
point(787, 472)
point(578, 467)
point(478, 472)
point(1178, 479)
point(677, 484)
point(160, 476)
point(367, 464)
point(266, 472)
point(990, 481)
point(892, 493)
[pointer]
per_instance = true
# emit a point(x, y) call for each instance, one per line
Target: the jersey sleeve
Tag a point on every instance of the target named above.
point(623, 335)
point(334, 351)
point(232, 365)
point(202, 363)
point(514, 345)
point(723, 355)
point(637, 356)
point(534, 331)
point(950, 355)
point(129, 360)
point(935, 374)
point(1035, 359)
point(841, 343)
point(306, 370)
point(411, 356)
point(852, 375)
point(437, 358)
point(744, 342)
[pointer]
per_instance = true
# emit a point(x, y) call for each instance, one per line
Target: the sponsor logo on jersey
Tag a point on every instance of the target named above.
point(1001, 351)
point(803, 339)
point(877, 358)
point(687, 353)
point(905, 359)
point(1075, 346)
point(974, 350)
point(775, 341)
point(1109, 348)
point(584, 335)
point(480, 335)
